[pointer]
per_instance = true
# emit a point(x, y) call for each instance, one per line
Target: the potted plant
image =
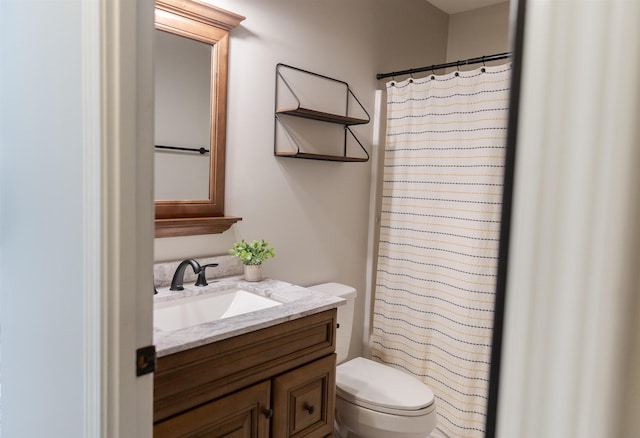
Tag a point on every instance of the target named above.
point(252, 254)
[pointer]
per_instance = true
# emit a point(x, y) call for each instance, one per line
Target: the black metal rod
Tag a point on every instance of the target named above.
point(479, 60)
point(202, 151)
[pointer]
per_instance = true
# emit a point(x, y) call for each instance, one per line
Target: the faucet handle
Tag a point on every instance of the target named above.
point(202, 278)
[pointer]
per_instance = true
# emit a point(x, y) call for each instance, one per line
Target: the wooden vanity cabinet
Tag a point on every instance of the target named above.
point(236, 415)
point(276, 382)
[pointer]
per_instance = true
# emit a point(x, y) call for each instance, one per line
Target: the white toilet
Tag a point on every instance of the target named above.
point(374, 400)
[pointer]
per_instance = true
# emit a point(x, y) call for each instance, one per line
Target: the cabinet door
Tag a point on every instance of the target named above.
point(304, 400)
point(243, 414)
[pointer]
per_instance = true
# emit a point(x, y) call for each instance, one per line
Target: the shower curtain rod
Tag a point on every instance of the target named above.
point(481, 59)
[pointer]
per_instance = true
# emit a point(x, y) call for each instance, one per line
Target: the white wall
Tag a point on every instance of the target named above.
point(315, 214)
point(43, 354)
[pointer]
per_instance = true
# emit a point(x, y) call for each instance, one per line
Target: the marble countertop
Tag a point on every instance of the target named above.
point(297, 302)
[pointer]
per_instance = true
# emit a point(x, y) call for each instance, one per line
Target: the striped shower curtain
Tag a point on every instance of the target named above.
point(439, 234)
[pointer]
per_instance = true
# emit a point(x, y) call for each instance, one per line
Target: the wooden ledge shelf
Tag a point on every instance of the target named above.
point(172, 227)
point(323, 117)
point(322, 157)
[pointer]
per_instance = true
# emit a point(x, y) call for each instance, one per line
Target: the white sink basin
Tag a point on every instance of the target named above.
point(187, 312)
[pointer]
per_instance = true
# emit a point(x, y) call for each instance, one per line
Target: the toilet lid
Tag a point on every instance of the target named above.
point(380, 387)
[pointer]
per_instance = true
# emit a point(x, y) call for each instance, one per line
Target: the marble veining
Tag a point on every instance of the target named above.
point(297, 302)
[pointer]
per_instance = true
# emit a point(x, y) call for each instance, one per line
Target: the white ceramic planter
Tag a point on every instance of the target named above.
point(253, 272)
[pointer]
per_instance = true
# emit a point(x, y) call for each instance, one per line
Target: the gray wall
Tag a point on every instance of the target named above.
point(319, 216)
point(480, 32)
point(314, 213)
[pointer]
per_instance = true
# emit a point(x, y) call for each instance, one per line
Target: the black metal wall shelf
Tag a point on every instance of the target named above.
point(297, 110)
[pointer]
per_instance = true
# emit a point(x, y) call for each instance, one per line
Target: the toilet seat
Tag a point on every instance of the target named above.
point(381, 388)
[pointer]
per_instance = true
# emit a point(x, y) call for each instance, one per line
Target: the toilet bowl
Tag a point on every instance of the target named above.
point(374, 400)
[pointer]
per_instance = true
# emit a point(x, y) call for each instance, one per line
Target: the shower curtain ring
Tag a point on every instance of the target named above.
point(411, 77)
point(483, 69)
point(458, 68)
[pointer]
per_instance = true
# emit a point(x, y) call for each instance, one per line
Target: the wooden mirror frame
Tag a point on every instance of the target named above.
point(211, 25)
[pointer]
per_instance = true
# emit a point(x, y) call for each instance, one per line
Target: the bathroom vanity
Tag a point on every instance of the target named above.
point(266, 373)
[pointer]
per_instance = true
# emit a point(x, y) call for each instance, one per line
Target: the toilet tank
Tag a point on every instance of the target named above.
point(345, 314)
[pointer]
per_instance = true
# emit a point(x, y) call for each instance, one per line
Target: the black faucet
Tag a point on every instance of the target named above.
point(202, 278)
point(178, 277)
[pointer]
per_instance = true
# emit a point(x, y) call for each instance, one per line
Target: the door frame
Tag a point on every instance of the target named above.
point(126, 231)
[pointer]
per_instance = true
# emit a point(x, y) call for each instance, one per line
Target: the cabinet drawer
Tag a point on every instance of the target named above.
point(193, 377)
point(304, 400)
point(238, 415)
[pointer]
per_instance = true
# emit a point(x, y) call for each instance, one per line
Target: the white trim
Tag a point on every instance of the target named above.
point(128, 210)
point(91, 221)
point(374, 220)
point(575, 242)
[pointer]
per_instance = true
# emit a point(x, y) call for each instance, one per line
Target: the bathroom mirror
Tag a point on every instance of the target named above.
point(192, 43)
point(182, 117)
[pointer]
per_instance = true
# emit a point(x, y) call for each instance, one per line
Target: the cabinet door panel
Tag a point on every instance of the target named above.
point(306, 404)
point(239, 415)
point(304, 400)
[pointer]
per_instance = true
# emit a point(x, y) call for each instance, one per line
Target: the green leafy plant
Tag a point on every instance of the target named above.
point(254, 253)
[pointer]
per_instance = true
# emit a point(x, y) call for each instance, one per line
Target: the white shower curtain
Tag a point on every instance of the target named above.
point(439, 234)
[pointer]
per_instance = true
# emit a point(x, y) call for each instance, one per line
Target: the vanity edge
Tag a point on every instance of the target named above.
point(297, 302)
